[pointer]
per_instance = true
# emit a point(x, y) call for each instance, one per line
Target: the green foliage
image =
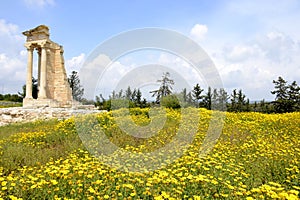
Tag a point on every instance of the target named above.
point(117, 100)
point(165, 87)
point(262, 106)
point(196, 93)
point(287, 96)
point(8, 104)
point(208, 99)
point(77, 90)
point(170, 101)
point(34, 89)
point(35, 143)
point(239, 103)
point(102, 104)
point(10, 97)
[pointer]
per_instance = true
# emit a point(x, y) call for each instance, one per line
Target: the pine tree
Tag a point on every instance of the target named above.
point(282, 102)
point(233, 100)
point(196, 92)
point(208, 99)
point(294, 96)
point(138, 97)
point(222, 99)
point(184, 95)
point(189, 98)
point(77, 90)
point(241, 103)
point(128, 93)
point(165, 87)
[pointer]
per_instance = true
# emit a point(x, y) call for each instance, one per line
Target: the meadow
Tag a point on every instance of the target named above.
point(257, 156)
point(8, 104)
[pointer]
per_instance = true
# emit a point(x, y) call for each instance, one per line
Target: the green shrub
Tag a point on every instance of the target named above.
point(170, 101)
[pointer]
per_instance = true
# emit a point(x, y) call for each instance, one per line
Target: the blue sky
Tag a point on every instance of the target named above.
point(250, 42)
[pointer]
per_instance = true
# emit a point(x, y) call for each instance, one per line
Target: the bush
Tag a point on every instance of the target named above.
point(170, 101)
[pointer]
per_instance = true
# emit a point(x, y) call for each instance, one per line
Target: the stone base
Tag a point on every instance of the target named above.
point(42, 103)
point(18, 114)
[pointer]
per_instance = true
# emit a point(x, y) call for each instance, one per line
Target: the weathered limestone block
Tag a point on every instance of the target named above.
point(17, 114)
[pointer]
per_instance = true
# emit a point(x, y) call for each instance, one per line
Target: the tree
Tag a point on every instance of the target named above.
point(186, 98)
point(283, 100)
point(189, 98)
point(247, 105)
point(113, 95)
point(102, 104)
point(233, 100)
point(184, 95)
point(223, 98)
point(128, 93)
point(239, 103)
point(219, 99)
point(214, 99)
point(34, 89)
point(294, 96)
point(77, 90)
point(165, 87)
point(170, 101)
point(133, 94)
point(138, 97)
point(197, 94)
point(208, 99)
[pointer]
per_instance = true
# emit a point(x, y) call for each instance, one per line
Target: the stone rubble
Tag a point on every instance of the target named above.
point(19, 114)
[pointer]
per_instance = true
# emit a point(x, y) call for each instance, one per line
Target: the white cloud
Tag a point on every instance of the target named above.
point(183, 70)
point(137, 70)
point(241, 52)
point(11, 39)
point(12, 58)
point(90, 73)
point(253, 65)
point(278, 46)
point(198, 32)
point(39, 3)
point(75, 63)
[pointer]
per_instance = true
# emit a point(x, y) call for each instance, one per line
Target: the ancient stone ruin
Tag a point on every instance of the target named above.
point(53, 87)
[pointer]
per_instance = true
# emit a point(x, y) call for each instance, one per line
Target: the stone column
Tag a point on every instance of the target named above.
point(29, 73)
point(39, 67)
point(43, 74)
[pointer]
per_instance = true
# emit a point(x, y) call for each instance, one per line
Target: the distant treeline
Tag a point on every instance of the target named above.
point(11, 97)
point(287, 98)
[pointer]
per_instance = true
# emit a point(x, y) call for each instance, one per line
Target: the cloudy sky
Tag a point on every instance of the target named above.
point(250, 42)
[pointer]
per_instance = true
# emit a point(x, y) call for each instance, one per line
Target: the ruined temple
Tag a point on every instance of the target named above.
point(53, 87)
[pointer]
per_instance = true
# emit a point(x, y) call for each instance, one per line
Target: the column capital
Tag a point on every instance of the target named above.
point(29, 46)
point(43, 44)
point(61, 49)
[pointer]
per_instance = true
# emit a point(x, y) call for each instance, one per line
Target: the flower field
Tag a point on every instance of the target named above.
point(257, 156)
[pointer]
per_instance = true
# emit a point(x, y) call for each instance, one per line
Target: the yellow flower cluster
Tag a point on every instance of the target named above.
point(257, 156)
point(29, 138)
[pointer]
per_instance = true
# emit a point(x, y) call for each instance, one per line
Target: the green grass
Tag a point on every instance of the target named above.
point(26, 153)
point(256, 157)
point(7, 104)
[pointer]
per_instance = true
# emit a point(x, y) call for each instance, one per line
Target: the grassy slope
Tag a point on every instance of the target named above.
point(257, 155)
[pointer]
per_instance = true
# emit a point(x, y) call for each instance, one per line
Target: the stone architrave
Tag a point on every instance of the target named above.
point(53, 86)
